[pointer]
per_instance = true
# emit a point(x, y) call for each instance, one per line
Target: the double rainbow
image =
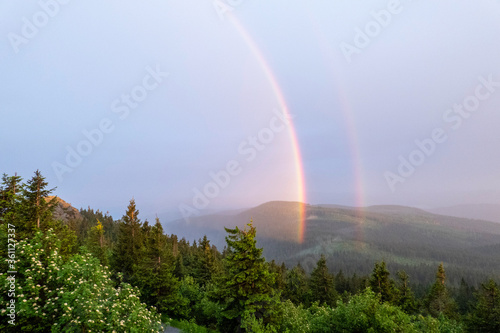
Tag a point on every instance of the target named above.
point(299, 169)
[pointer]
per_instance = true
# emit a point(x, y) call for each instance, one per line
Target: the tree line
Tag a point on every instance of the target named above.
point(97, 274)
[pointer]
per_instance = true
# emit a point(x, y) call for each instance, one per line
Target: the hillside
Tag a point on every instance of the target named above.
point(352, 239)
point(478, 212)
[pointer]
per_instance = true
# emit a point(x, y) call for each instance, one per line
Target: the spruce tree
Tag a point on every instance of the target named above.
point(486, 315)
point(296, 289)
point(382, 284)
point(10, 196)
point(97, 244)
point(128, 249)
point(465, 297)
point(154, 273)
point(279, 272)
point(37, 210)
point(246, 287)
point(322, 284)
point(439, 301)
point(341, 283)
point(406, 298)
point(208, 265)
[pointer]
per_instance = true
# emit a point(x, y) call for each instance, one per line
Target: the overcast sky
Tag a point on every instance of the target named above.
point(119, 99)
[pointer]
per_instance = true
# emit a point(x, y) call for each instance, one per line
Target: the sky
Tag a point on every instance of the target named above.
point(196, 106)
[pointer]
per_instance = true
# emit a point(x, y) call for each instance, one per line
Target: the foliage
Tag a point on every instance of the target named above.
point(406, 298)
point(486, 315)
point(74, 295)
point(382, 284)
point(189, 326)
point(246, 287)
point(438, 301)
point(60, 290)
point(296, 288)
point(322, 284)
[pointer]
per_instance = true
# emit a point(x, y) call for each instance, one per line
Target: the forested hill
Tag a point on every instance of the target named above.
point(352, 239)
point(70, 271)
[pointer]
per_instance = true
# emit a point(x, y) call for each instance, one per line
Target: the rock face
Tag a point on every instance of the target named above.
point(64, 211)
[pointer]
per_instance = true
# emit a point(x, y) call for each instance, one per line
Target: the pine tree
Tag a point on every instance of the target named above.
point(465, 297)
point(279, 272)
point(438, 301)
point(179, 268)
point(406, 298)
point(322, 284)
point(296, 289)
point(37, 210)
point(341, 283)
point(207, 263)
point(128, 249)
point(382, 284)
point(154, 273)
point(486, 315)
point(246, 287)
point(10, 196)
point(97, 244)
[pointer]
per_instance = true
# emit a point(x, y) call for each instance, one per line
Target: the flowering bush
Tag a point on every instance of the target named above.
point(72, 296)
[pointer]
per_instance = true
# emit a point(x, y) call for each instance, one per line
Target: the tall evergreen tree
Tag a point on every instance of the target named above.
point(341, 283)
point(406, 299)
point(382, 284)
point(128, 249)
point(97, 244)
point(154, 273)
point(439, 301)
point(486, 315)
point(10, 196)
point(322, 284)
point(296, 289)
point(207, 262)
point(37, 209)
point(465, 297)
point(279, 272)
point(179, 268)
point(246, 288)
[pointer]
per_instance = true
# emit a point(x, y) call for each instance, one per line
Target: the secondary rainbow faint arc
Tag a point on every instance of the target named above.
point(293, 134)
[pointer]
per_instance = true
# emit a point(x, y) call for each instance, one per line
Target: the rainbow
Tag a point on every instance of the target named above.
point(299, 169)
point(351, 129)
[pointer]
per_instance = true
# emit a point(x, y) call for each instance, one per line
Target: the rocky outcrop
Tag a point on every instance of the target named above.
point(64, 211)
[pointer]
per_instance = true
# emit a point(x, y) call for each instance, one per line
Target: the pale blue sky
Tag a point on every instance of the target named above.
point(64, 78)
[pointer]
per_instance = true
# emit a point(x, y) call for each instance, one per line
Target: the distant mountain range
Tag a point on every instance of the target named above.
point(478, 212)
point(353, 239)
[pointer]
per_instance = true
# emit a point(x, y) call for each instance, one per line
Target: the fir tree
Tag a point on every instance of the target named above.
point(155, 271)
point(341, 283)
point(406, 299)
point(10, 196)
point(382, 284)
point(438, 301)
point(486, 315)
point(37, 210)
point(179, 268)
point(465, 297)
point(96, 243)
point(246, 287)
point(128, 249)
point(322, 284)
point(296, 289)
point(207, 263)
point(279, 272)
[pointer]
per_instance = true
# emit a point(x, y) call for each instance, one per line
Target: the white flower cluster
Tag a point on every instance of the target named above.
point(77, 294)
